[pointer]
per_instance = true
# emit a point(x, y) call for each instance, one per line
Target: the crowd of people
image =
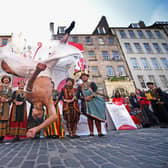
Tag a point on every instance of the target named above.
point(14, 121)
point(146, 108)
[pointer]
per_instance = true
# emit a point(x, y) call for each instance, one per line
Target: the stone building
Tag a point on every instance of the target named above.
point(105, 60)
point(146, 51)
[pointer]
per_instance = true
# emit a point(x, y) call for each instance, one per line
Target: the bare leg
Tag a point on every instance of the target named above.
point(7, 69)
point(67, 32)
point(90, 124)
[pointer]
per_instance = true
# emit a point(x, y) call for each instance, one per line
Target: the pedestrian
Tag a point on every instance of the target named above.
point(93, 105)
point(154, 94)
point(5, 98)
point(71, 111)
point(18, 115)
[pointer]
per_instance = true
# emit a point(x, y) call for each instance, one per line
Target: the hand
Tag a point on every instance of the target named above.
point(4, 100)
point(68, 101)
point(18, 103)
point(89, 98)
point(31, 132)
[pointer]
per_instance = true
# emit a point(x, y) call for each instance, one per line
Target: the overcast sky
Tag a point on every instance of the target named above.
point(32, 17)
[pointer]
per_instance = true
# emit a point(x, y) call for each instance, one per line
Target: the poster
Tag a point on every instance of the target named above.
point(119, 117)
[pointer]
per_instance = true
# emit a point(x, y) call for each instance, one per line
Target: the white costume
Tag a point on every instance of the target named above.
point(54, 54)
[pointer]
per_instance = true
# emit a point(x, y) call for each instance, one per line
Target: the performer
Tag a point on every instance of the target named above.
point(70, 107)
point(93, 106)
point(5, 98)
point(56, 129)
point(34, 122)
point(18, 115)
point(39, 88)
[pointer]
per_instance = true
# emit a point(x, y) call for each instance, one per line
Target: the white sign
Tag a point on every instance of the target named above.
point(120, 117)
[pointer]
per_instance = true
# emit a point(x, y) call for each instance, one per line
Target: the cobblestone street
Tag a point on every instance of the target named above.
point(142, 148)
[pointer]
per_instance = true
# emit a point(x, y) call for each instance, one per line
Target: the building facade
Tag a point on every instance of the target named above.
point(105, 60)
point(146, 51)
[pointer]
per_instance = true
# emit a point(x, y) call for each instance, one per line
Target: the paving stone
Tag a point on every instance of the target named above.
point(71, 163)
point(42, 159)
point(16, 162)
point(28, 164)
point(142, 148)
point(89, 164)
point(55, 161)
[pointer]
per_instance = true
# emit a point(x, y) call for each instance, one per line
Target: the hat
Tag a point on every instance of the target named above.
point(5, 76)
point(149, 83)
point(84, 72)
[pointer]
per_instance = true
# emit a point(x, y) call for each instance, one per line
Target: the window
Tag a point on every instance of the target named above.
point(4, 41)
point(105, 55)
point(75, 39)
point(144, 63)
point(121, 71)
point(61, 30)
point(128, 47)
point(110, 40)
point(152, 79)
point(141, 81)
point(163, 80)
point(147, 47)
point(94, 69)
point(134, 63)
point(101, 30)
point(165, 46)
point(164, 62)
point(157, 48)
point(155, 63)
point(110, 71)
point(122, 34)
point(101, 41)
point(131, 33)
point(88, 40)
point(140, 34)
point(158, 34)
point(91, 53)
point(135, 25)
point(138, 47)
point(149, 34)
point(115, 55)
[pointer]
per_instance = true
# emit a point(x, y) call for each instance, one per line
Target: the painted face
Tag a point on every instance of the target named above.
point(6, 80)
point(69, 83)
point(137, 91)
point(84, 78)
point(21, 85)
point(150, 86)
point(37, 111)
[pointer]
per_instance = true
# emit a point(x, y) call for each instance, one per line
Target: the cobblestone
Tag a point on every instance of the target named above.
point(142, 148)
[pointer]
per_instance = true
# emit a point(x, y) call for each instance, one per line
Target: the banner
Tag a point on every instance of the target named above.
point(15, 81)
point(120, 117)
